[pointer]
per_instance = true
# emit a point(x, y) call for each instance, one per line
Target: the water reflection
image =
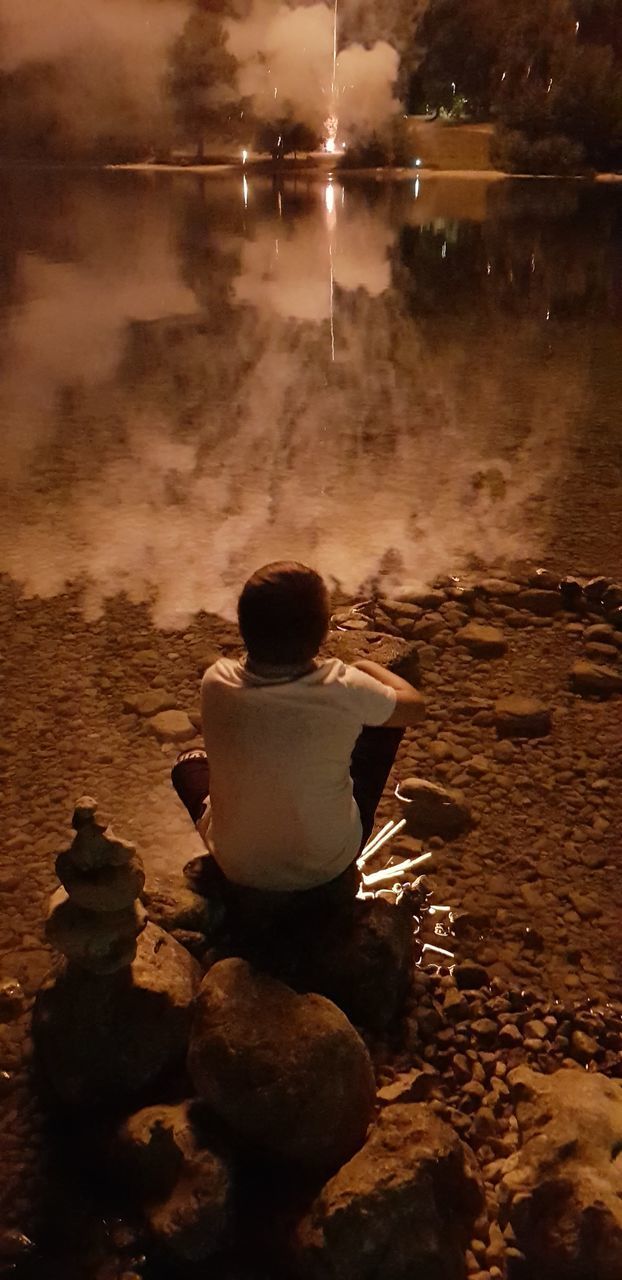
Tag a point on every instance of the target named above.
point(196, 377)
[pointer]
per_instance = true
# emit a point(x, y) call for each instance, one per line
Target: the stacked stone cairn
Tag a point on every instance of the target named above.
point(96, 916)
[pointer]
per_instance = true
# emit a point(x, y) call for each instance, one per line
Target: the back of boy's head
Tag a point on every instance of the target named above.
point(283, 613)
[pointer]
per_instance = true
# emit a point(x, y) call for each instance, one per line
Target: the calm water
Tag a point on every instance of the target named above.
point(197, 375)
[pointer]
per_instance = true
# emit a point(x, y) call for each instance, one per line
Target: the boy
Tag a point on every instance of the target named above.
point(297, 749)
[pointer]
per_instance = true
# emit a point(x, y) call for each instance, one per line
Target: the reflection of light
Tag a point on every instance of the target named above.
point(329, 198)
point(245, 191)
point(280, 204)
point(444, 250)
point(244, 157)
point(417, 188)
point(503, 76)
point(418, 163)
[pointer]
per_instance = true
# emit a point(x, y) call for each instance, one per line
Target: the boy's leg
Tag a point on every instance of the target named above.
point(190, 778)
point(372, 760)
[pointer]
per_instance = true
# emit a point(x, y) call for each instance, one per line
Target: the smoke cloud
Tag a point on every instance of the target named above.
point(109, 58)
point(285, 67)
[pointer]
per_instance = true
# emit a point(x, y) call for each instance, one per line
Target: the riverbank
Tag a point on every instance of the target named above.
point(533, 881)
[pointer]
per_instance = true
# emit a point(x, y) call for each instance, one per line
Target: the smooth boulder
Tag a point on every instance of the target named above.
point(482, 641)
point(562, 1192)
point(590, 678)
point(432, 810)
point(402, 1208)
point(104, 1039)
point(287, 1073)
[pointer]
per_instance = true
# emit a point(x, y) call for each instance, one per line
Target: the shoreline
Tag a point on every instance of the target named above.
point(389, 173)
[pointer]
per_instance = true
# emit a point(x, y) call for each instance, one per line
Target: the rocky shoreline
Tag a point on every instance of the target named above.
point(531, 883)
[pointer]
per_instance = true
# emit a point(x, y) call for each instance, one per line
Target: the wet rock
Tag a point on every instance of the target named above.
point(403, 1206)
point(168, 1154)
point(519, 717)
point(563, 1190)
point(543, 604)
point(172, 726)
point(589, 678)
point(482, 641)
point(287, 1073)
point(105, 1039)
point(432, 810)
point(150, 703)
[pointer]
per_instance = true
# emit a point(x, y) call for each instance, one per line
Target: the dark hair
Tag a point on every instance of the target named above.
point(283, 613)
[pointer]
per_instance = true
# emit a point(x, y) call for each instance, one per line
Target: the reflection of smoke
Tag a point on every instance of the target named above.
point(110, 56)
point(286, 267)
point(285, 62)
point(195, 449)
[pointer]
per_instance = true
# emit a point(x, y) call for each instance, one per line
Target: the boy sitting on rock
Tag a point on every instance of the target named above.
point(298, 750)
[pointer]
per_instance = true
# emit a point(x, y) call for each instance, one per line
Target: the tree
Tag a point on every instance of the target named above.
point(286, 137)
point(460, 40)
point(202, 82)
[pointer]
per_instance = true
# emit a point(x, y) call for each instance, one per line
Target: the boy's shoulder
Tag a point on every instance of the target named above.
point(223, 671)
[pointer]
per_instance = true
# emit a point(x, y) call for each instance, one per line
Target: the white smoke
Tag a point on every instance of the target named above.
point(112, 55)
point(285, 67)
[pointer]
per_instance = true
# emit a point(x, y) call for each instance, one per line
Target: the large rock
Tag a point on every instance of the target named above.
point(172, 905)
point(172, 726)
point(103, 1040)
point(287, 1073)
point(432, 810)
point(544, 604)
point(362, 961)
point(482, 641)
point(401, 1209)
point(151, 702)
point(169, 1158)
point(397, 655)
point(589, 678)
point(563, 1190)
point(519, 717)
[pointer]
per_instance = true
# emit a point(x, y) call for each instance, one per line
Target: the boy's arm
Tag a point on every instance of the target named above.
point(410, 704)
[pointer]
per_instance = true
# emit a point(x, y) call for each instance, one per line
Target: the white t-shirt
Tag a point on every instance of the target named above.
point(281, 813)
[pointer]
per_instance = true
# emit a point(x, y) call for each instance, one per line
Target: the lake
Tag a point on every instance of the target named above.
point(386, 379)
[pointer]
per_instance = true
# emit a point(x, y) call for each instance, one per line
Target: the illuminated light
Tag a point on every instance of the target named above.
point(245, 191)
point(244, 157)
point(417, 188)
point(503, 76)
point(329, 198)
point(548, 315)
point(489, 268)
point(434, 911)
point(439, 951)
point(280, 205)
point(533, 262)
point(453, 86)
point(577, 27)
point(444, 250)
point(418, 163)
point(330, 145)
point(276, 92)
point(389, 873)
point(371, 844)
point(550, 86)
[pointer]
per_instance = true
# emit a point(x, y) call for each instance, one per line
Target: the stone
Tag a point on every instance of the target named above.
point(571, 592)
point(562, 1191)
point(612, 597)
point(482, 641)
point(173, 906)
point(12, 1000)
point(150, 703)
point(432, 810)
point(95, 845)
point(361, 962)
point(470, 976)
point(590, 678)
point(543, 604)
point(403, 1206)
point(286, 1073)
point(545, 580)
point(409, 1086)
point(519, 717)
point(168, 1154)
point(172, 726)
point(101, 942)
point(105, 1039)
point(103, 889)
